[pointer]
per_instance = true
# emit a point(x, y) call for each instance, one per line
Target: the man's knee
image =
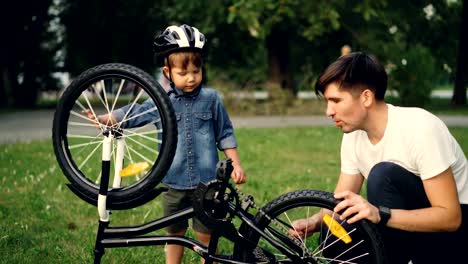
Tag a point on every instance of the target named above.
point(381, 175)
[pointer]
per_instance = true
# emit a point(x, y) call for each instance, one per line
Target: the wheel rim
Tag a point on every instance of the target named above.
point(320, 247)
point(81, 139)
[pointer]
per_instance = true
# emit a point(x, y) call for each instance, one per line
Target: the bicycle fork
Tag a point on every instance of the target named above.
point(104, 214)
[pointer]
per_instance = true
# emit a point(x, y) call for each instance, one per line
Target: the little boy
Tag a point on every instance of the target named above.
point(203, 127)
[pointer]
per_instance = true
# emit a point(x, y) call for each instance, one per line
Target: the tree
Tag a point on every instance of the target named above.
point(279, 23)
point(108, 31)
point(461, 79)
point(26, 59)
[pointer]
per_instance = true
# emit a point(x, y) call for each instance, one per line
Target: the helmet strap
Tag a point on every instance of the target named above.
point(169, 76)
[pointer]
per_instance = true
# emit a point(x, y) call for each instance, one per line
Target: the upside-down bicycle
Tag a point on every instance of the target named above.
point(92, 154)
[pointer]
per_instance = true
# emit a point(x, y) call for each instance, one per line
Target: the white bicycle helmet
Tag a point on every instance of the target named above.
point(178, 38)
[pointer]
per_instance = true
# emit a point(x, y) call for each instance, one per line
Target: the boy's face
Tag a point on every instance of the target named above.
point(187, 79)
point(347, 111)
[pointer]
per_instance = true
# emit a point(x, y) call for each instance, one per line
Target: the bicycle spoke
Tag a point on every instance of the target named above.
point(335, 241)
point(344, 252)
point(82, 124)
point(339, 261)
point(90, 107)
point(116, 98)
point(93, 121)
point(143, 135)
point(291, 225)
point(98, 93)
point(140, 155)
point(144, 146)
point(105, 103)
point(89, 156)
point(84, 144)
point(154, 109)
point(131, 107)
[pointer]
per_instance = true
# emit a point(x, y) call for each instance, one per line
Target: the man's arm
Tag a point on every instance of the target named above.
point(444, 215)
point(347, 182)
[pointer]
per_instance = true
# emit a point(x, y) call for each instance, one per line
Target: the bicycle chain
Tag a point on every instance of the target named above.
point(247, 198)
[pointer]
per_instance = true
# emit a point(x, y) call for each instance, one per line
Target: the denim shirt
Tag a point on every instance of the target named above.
point(203, 127)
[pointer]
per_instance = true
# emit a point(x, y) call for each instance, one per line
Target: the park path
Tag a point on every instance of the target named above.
point(25, 126)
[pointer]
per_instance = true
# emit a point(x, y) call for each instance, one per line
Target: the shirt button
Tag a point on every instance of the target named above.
point(186, 104)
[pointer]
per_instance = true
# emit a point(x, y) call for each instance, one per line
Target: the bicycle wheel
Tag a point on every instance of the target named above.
point(360, 243)
point(144, 140)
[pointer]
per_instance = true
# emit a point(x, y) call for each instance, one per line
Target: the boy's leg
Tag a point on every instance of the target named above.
point(204, 239)
point(393, 186)
point(202, 232)
point(173, 201)
point(174, 253)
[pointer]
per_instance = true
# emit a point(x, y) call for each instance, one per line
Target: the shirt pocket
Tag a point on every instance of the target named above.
point(203, 122)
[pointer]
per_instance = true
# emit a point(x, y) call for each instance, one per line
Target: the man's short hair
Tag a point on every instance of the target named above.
point(354, 72)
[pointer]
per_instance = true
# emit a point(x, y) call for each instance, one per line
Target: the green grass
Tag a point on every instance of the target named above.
point(41, 221)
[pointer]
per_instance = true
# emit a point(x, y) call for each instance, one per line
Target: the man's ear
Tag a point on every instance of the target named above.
point(367, 97)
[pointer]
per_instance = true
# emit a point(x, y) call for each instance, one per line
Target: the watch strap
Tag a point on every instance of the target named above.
point(385, 215)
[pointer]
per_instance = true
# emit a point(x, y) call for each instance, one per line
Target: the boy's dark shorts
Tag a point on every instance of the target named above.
point(176, 200)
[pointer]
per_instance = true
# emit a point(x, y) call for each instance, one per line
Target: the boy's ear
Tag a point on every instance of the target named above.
point(166, 71)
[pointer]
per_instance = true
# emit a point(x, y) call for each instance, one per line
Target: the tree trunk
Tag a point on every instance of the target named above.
point(279, 72)
point(3, 88)
point(461, 78)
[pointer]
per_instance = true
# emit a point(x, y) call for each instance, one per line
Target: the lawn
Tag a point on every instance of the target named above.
point(41, 221)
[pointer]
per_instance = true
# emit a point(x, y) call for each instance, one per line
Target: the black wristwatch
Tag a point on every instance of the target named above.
point(385, 214)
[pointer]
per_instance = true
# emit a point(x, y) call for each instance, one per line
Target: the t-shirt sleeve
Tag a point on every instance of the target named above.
point(348, 155)
point(433, 149)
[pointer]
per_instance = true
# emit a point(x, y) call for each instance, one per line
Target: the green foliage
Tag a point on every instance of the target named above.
point(414, 76)
point(87, 33)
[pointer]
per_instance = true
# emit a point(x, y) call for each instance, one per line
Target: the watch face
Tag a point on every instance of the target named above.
point(384, 209)
point(385, 214)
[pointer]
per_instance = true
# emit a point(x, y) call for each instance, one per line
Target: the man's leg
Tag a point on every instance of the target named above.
point(393, 186)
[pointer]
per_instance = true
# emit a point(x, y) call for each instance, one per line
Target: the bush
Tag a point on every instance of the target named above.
point(414, 76)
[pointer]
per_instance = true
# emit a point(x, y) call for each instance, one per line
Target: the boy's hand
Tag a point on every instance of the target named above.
point(103, 119)
point(238, 175)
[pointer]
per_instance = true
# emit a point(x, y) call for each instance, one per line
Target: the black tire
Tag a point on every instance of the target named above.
point(102, 89)
point(259, 251)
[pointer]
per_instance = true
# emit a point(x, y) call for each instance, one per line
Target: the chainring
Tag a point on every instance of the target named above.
point(210, 209)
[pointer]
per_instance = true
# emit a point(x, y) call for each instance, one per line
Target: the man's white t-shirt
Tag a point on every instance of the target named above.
point(414, 139)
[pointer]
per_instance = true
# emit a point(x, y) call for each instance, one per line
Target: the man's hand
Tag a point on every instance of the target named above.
point(356, 208)
point(304, 227)
point(238, 175)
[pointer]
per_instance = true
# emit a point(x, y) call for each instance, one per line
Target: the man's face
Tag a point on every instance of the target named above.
point(347, 111)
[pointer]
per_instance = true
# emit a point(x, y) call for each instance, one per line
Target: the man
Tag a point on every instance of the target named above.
point(417, 174)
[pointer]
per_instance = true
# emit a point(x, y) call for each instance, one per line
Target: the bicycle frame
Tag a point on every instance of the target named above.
point(132, 236)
